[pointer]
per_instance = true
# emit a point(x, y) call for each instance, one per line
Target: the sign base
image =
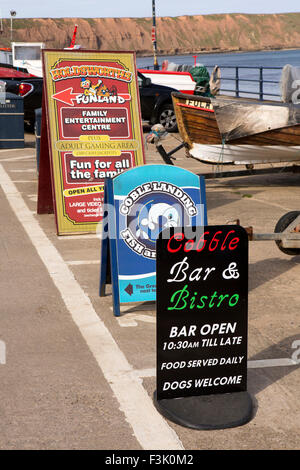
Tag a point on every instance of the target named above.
point(208, 412)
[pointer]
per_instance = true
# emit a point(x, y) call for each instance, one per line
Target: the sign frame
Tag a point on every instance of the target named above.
point(202, 327)
point(80, 155)
point(135, 268)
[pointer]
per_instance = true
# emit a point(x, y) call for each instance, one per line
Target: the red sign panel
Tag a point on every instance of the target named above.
point(94, 129)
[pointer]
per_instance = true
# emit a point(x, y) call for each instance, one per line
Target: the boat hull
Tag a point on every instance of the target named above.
point(244, 154)
point(181, 81)
point(199, 129)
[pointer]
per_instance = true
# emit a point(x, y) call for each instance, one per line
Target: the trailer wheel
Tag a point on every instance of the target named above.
point(281, 225)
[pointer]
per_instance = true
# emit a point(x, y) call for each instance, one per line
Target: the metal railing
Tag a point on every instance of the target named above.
point(245, 84)
point(257, 86)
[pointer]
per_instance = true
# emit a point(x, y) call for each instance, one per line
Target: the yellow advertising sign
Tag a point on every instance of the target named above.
point(94, 130)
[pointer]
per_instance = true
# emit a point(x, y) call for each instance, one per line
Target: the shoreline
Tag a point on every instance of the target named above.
point(225, 51)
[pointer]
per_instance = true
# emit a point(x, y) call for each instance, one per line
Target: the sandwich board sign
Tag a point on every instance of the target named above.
point(202, 326)
point(141, 202)
point(92, 116)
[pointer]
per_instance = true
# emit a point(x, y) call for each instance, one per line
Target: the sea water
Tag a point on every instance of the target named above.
point(230, 60)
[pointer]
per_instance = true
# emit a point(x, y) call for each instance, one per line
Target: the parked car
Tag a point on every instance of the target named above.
point(19, 82)
point(32, 92)
point(156, 101)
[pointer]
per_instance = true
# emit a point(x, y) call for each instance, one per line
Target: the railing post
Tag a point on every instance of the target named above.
point(261, 84)
point(237, 90)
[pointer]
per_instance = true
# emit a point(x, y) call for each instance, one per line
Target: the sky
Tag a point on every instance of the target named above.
point(139, 8)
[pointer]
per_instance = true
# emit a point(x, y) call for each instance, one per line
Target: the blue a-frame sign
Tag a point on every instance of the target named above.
point(139, 204)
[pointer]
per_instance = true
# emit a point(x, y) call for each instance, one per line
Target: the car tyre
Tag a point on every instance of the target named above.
point(167, 118)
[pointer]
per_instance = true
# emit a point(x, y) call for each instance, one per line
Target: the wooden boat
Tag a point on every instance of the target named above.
point(236, 131)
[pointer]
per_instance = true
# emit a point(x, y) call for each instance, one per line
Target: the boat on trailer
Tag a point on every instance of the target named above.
point(238, 131)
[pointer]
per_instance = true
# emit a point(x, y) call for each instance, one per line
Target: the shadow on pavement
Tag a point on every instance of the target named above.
point(261, 378)
point(267, 269)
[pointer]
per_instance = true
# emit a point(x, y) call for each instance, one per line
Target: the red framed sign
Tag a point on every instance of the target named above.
point(94, 130)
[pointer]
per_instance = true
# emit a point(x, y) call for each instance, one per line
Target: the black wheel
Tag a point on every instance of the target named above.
point(167, 118)
point(281, 225)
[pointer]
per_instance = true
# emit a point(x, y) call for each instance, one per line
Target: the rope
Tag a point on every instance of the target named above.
point(220, 160)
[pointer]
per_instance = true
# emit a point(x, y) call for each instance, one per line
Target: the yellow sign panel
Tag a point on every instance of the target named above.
point(94, 130)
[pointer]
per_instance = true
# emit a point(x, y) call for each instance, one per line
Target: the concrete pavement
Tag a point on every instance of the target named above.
point(76, 377)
